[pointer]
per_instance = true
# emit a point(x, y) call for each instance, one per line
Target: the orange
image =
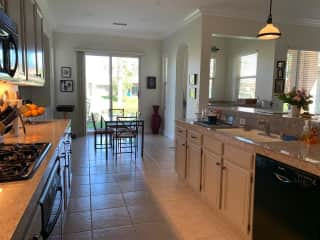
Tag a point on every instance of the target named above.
point(34, 113)
point(33, 106)
point(41, 110)
point(27, 113)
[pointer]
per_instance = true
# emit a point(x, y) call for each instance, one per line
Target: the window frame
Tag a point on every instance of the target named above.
point(247, 76)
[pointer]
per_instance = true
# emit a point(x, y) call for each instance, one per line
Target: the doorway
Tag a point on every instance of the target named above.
point(111, 82)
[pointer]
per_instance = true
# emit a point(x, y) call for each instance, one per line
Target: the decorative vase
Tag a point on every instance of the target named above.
point(295, 111)
point(155, 120)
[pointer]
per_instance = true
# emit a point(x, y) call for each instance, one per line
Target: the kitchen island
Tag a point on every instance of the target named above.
point(219, 164)
point(19, 199)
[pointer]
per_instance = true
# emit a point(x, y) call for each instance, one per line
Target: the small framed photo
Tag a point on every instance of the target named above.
point(66, 72)
point(66, 85)
point(281, 69)
point(151, 82)
point(193, 79)
point(193, 93)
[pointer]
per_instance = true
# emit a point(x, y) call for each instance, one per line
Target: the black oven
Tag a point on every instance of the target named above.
point(51, 201)
point(8, 46)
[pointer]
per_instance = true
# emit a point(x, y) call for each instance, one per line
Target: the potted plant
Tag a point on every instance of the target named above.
point(298, 99)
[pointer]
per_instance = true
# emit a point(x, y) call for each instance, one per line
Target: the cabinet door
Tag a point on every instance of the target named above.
point(39, 43)
point(211, 178)
point(30, 38)
point(181, 158)
point(15, 11)
point(236, 195)
point(194, 166)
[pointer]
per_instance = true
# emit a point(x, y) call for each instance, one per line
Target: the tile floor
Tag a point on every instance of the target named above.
point(121, 200)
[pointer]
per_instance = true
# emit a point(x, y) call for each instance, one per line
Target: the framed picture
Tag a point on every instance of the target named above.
point(279, 86)
point(193, 93)
point(193, 79)
point(66, 85)
point(66, 72)
point(151, 82)
point(281, 69)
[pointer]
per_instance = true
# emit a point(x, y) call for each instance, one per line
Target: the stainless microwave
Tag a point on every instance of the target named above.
point(8, 46)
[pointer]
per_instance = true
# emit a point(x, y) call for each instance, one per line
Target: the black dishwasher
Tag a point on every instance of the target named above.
point(286, 202)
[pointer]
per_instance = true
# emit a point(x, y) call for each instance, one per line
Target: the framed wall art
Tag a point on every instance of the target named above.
point(151, 82)
point(66, 85)
point(66, 72)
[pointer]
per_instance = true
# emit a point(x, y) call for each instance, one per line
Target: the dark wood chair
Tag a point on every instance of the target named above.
point(103, 133)
point(126, 136)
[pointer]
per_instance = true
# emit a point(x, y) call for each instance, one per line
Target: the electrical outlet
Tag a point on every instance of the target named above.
point(242, 121)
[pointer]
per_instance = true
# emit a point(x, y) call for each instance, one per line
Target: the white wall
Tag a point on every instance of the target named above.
point(66, 45)
point(189, 35)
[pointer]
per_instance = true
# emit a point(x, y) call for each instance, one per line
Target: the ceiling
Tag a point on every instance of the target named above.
point(158, 18)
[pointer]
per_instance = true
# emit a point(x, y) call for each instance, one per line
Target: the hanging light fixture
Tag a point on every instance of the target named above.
point(269, 32)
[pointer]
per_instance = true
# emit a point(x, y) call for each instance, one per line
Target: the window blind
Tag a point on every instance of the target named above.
point(303, 72)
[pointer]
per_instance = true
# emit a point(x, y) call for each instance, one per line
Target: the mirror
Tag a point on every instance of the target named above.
point(241, 68)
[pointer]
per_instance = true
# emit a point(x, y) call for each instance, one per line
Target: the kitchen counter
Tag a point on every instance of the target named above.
point(294, 153)
point(18, 199)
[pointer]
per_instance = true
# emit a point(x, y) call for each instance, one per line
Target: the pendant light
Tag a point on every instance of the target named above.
point(269, 32)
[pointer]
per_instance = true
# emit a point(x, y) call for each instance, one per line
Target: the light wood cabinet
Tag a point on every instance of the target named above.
point(194, 166)
point(211, 178)
point(181, 157)
point(236, 185)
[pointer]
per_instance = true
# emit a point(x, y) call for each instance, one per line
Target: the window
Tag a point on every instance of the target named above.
point(303, 72)
point(248, 76)
point(212, 76)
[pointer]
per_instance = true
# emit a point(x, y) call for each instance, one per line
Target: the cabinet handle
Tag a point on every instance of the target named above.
point(224, 168)
point(194, 137)
point(183, 145)
point(218, 163)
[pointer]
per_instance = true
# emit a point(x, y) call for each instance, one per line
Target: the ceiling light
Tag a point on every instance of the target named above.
point(269, 32)
point(120, 24)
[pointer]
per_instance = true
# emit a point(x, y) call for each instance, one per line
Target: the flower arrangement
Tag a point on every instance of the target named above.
point(298, 98)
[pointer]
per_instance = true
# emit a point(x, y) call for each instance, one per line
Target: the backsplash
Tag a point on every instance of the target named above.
point(278, 124)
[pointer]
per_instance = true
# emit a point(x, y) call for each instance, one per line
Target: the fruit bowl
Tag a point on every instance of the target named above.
point(31, 112)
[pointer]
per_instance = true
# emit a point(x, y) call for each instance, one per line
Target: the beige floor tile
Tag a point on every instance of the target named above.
point(80, 204)
point(77, 222)
point(113, 217)
point(78, 236)
point(80, 191)
point(138, 198)
point(122, 233)
point(105, 188)
point(145, 213)
point(107, 201)
point(155, 231)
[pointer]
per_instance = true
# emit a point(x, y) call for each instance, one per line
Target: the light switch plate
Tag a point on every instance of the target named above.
point(242, 121)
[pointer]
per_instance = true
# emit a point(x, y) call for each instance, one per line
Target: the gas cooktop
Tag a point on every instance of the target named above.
point(20, 161)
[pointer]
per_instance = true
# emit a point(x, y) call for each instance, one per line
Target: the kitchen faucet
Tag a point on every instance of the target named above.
point(266, 125)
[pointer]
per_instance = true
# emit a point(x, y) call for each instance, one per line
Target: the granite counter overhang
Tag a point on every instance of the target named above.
point(294, 153)
point(19, 199)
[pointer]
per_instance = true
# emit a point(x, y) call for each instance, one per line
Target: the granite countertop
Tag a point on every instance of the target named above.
point(294, 153)
point(18, 199)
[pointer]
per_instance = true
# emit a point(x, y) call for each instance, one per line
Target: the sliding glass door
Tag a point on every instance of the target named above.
point(104, 93)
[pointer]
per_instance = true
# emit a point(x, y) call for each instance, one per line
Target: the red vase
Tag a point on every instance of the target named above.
point(155, 120)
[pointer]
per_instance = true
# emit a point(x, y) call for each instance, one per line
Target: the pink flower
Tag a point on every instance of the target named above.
point(297, 98)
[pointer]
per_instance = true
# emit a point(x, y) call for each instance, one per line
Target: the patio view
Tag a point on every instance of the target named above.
point(111, 87)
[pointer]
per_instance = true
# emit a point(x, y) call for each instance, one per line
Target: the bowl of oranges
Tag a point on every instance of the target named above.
point(31, 111)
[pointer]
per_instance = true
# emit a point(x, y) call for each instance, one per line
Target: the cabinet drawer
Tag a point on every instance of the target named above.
point(213, 145)
point(181, 132)
point(238, 156)
point(194, 137)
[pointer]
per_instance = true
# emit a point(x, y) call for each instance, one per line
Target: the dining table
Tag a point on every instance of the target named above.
point(113, 121)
